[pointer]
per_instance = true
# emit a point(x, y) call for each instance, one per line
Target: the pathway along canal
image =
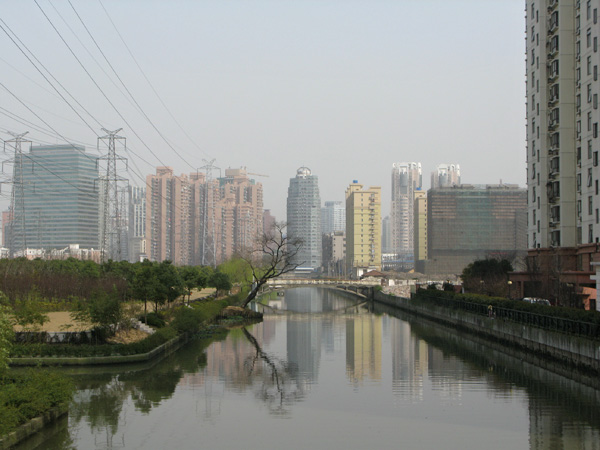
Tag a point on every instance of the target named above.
point(320, 372)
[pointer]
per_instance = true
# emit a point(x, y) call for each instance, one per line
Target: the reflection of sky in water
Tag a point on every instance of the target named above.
point(347, 380)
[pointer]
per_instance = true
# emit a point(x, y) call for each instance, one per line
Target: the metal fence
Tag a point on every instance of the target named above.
point(568, 326)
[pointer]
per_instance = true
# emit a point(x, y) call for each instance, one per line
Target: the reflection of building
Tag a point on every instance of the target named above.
point(363, 347)
point(363, 229)
point(406, 178)
point(470, 222)
point(304, 217)
point(409, 361)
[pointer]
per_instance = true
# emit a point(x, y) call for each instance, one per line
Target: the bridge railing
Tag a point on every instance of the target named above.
point(563, 325)
point(310, 282)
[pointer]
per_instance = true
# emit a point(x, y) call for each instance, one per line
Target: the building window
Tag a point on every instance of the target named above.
point(588, 10)
point(595, 16)
point(597, 215)
point(589, 149)
point(597, 186)
point(595, 73)
point(595, 129)
point(590, 233)
point(589, 177)
point(589, 92)
point(589, 65)
point(589, 121)
point(579, 208)
point(595, 101)
point(578, 182)
point(590, 205)
point(588, 38)
point(595, 159)
point(595, 44)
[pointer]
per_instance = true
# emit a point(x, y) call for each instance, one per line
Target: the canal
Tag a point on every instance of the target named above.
point(324, 370)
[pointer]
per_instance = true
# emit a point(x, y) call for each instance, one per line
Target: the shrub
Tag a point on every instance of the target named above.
point(154, 320)
point(25, 396)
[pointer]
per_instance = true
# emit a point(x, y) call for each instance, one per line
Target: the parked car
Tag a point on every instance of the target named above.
point(537, 301)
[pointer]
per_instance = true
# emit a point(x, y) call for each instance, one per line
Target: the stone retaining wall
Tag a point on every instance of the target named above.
point(570, 349)
point(33, 426)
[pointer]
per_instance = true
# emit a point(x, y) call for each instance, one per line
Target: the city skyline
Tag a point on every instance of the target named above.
point(273, 87)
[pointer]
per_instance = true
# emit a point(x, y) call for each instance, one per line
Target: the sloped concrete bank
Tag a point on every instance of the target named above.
point(569, 349)
point(33, 426)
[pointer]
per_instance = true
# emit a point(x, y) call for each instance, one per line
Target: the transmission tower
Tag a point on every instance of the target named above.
point(209, 244)
point(111, 225)
point(17, 238)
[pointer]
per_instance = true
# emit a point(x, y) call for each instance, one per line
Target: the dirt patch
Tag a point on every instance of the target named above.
point(60, 321)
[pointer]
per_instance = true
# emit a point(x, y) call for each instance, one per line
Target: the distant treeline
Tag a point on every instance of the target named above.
point(71, 279)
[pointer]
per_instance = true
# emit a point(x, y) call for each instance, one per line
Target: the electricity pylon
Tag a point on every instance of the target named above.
point(111, 224)
point(17, 232)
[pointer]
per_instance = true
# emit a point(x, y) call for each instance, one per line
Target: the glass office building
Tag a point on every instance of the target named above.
point(58, 202)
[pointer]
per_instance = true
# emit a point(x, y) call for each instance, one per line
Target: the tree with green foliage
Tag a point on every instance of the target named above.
point(220, 281)
point(144, 285)
point(104, 310)
point(191, 278)
point(487, 276)
point(170, 284)
point(6, 337)
point(29, 316)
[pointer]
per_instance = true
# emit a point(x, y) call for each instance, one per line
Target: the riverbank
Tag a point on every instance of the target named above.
point(572, 350)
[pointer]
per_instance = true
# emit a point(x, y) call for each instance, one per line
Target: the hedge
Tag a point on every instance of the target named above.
point(25, 396)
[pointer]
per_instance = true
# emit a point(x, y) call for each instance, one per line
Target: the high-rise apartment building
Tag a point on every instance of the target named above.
point(445, 175)
point(333, 217)
point(363, 229)
point(420, 226)
point(168, 217)
point(562, 122)
point(137, 223)
point(239, 214)
point(192, 220)
point(406, 179)
point(304, 217)
point(58, 204)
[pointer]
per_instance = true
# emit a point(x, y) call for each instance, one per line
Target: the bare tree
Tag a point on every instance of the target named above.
point(274, 255)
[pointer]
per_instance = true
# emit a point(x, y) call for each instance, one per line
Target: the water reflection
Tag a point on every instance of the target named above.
point(364, 372)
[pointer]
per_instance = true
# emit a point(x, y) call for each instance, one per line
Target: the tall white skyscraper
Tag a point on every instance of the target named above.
point(406, 178)
point(445, 175)
point(304, 217)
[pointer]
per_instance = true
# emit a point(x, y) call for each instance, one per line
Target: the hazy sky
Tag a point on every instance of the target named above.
point(343, 87)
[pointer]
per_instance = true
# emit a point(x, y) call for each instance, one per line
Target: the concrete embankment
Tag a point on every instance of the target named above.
point(570, 349)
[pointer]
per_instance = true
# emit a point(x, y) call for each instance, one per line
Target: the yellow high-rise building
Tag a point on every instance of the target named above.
point(420, 227)
point(363, 229)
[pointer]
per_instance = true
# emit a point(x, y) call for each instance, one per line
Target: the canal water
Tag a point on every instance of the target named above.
point(325, 371)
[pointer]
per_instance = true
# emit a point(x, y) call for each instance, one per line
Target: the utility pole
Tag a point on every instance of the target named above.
point(209, 249)
point(111, 224)
point(18, 238)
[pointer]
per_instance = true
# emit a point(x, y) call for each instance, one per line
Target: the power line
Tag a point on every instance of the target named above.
point(150, 83)
point(46, 78)
point(95, 83)
point(127, 89)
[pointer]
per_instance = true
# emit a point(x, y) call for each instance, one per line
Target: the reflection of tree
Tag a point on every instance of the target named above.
point(279, 388)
